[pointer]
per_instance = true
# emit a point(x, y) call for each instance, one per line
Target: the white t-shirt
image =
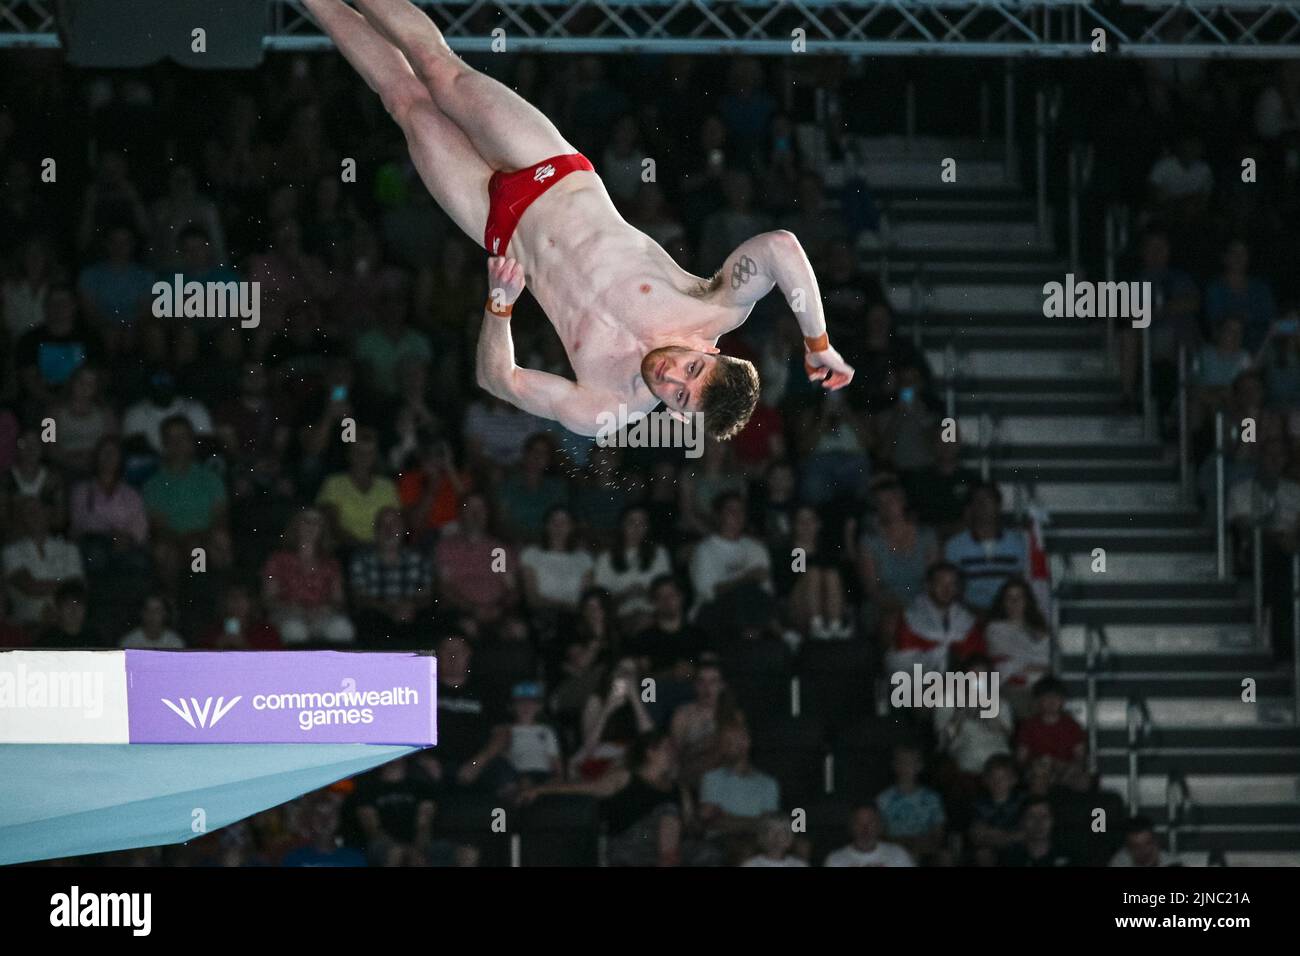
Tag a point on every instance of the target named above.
point(532, 748)
point(1017, 651)
point(885, 854)
point(59, 560)
point(145, 418)
point(977, 738)
point(1283, 503)
point(718, 560)
point(559, 573)
point(619, 583)
point(168, 641)
point(768, 861)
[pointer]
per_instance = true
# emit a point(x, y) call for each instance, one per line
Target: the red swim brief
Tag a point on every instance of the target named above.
point(509, 194)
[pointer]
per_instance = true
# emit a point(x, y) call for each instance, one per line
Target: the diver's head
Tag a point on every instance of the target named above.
point(690, 381)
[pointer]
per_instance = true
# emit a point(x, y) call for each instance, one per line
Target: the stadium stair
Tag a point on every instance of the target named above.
point(1040, 409)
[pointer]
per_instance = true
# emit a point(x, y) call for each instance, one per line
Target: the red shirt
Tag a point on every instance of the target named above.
point(301, 585)
point(446, 503)
point(1057, 740)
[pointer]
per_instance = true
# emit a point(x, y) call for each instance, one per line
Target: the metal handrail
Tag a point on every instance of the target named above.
point(1295, 638)
point(1184, 435)
point(1177, 801)
point(1137, 719)
point(1220, 496)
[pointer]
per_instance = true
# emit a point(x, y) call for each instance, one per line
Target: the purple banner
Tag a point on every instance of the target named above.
point(293, 697)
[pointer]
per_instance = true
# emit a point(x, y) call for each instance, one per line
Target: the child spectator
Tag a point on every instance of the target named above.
point(1051, 731)
point(913, 814)
point(534, 752)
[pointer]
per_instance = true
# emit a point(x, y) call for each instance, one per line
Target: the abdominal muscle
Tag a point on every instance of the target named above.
point(610, 291)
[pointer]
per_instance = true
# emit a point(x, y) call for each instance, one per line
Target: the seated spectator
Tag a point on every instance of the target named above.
point(431, 489)
point(836, 449)
point(1039, 847)
point(143, 423)
point(382, 349)
point(36, 563)
point(181, 211)
point(651, 214)
point(1182, 181)
point(27, 287)
point(697, 725)
point(67, 627)
point(1051, 732)
point(495, 432)
point(811, 582)
point(534, 752)
point(987, 553)
point(82, 421)
point(711, 476)
point(1279, 360)
point(47, 355)
point(30, 476)
point(893, 555)
point(1175, 323)
point(302, 585)
point(108, 519)
point(321, 820)
point(155, 632)
point(115, 290)
point(474, 568)
point(628, 569)
point(198, 254)
point(969, 738)
point(940, 491)
point(612, 719)
point(731, 571)
point(936, 628)
point(1217, 367)
point(473, 727)
point(1018, 641)
point(736, 221)
point(912, 813)
point(396, 809)
point(866, 848)
point(1142, 847)
point(1236, 292)
point(242, 625)
point(996, 827)
point(580, 665)
point(735, 795)
point(392, 587)
point(645, 808)
point(884, 352)
point(772, 507)
point(670, 644)
point(904, 431)
point(775, 838)
point(558, 571)
point(352, 499)
point(252, 436)
point(185, 500)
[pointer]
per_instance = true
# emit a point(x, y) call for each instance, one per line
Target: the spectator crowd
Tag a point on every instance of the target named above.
point(617, 630)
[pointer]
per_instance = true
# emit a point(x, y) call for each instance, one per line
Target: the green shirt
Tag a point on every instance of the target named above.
point(187, 500)
point(357, 509)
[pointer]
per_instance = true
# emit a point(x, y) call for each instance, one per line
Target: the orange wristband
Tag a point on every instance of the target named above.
point(818, 343)
point(504, 313)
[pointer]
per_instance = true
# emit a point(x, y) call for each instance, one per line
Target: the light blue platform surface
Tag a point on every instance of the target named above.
point(60, 800)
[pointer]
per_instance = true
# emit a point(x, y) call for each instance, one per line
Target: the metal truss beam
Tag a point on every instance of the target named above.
point(1259, 29)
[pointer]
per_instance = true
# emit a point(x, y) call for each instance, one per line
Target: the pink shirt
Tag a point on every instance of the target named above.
point(95, 511)
point(300, 585)
point(467, 566)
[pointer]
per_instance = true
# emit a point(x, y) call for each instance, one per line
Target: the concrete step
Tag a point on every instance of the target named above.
point(977, 298)
point(1180, 643)
point(1012, 364)
point(1224, 760)
point(1212, 738)
point(1131, 567)
point(1223, 685)
point(1211, 790)
point(1162, 540)
point(1183, 713)
point(1005, 404)
point(1146, 610)
point(1099, 496)
point(986, 337)
point(1070, 431)
point(889, 170)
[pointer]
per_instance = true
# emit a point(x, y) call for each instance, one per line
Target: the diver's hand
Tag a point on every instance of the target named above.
point(828, 367)
point(505, 284)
